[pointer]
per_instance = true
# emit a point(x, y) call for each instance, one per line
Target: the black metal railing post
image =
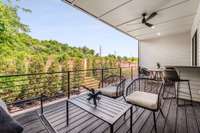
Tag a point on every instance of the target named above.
point(131, 72)
point(102, 76)
point(42, 84)
point(63, 81)
point(41, 104)
point(68, 84)
point(120, 73)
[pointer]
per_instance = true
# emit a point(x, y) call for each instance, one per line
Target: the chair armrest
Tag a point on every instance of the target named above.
point(89, 89)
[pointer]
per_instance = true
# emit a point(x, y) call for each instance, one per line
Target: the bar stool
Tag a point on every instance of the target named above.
point(170, 75)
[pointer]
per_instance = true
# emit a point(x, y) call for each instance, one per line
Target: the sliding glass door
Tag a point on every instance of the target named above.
point(194, 49)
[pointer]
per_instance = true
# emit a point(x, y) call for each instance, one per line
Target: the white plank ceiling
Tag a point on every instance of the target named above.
point(174, 16)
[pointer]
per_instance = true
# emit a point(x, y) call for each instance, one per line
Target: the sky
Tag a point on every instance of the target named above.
point(54, 19)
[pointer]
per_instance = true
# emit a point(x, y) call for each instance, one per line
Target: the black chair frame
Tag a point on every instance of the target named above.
point(171, 75)
point(133, 83)
point(120, 89)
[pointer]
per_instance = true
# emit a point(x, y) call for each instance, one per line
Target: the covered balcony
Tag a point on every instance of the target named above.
point(168, 37)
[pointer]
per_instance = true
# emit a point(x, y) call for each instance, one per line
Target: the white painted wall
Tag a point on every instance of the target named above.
point(167, 50)
point(196, 26)
point(175, 50)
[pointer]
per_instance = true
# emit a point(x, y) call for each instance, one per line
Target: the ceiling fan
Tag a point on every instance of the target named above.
point(146, 19)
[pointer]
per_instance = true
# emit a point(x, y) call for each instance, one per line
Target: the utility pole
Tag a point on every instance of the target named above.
point(100, 54)
point(100, 50)
point(115, 53)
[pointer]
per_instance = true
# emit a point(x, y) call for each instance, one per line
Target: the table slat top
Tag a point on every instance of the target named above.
point(107, 109)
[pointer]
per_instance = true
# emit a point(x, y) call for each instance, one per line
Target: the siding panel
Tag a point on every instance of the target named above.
point(192, 74)
point(167, 50)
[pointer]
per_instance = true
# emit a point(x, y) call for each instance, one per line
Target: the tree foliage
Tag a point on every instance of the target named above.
point(20, 53)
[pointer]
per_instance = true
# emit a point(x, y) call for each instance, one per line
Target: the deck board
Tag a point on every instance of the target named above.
point(191, 120)
point(185, 119)
point(181, 120)
point(92, 126)
point(196, 108)
point(31, 123)
point(170, 125)
point(148, 125)
point(160, 121)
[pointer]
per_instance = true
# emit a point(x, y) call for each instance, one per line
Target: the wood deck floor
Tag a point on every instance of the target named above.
point(31, 123)
point(185, 119)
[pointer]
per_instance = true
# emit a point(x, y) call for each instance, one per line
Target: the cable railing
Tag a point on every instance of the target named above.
point(27, 90)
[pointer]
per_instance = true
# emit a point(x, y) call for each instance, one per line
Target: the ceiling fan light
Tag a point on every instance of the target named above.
point(153, 27)
point(158, 34)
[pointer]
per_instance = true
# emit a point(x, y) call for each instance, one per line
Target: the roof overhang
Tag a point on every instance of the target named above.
point(174, 16)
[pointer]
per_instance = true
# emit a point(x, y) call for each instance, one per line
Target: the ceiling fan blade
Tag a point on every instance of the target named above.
point(151, 16)
point(148, 24)
point(143, 20)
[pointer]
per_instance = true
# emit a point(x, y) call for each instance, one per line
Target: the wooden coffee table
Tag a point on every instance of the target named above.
point(109, 110)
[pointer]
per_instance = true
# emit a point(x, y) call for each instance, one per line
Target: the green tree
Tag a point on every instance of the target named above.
point(36, 81)
point(21, 53)
point(53, 79)
point(10, 24)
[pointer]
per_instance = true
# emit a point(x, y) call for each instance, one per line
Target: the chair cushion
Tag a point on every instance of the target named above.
point(110, 91)
point(143, 99)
